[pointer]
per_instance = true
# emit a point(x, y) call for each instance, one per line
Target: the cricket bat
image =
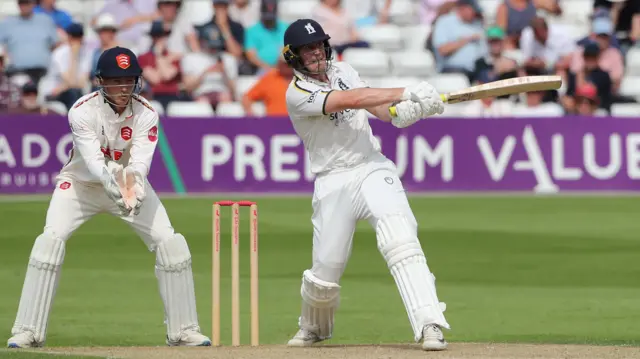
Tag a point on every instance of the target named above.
point(500, 88)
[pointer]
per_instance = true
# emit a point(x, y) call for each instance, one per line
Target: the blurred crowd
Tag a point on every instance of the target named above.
point(222, 57)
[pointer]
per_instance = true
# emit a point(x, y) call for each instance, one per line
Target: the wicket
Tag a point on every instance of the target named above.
point(235, 271)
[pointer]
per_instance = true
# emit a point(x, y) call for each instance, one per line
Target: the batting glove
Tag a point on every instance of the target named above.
point(407, 113)
point(429, 99)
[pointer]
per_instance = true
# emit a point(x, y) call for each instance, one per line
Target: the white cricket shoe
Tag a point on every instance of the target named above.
point(190, 338)
point(23, 340)
point(303, 338)
point(432, 338)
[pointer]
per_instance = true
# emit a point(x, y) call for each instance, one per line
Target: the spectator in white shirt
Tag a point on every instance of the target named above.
point(210, 76)
point(107, 30)
point(68, 76)
point(547, 47)
point(133, 17)
point(183, 37)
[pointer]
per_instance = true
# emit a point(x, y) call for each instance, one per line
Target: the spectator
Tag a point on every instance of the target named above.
point(338, 24)
point(107, 30)
point(271, 90)
point(488, 107)
point(68, 76)
point(61, 18)
point(610, 58)
point(9, 92)
point(245, 12)
point(183, 37)
point(586, 100)
point(210, 76)
point(458, 39)
point(132, 17)
point(29, 39)
point(228, 33)
point(161, 67)
point(547, 47)
point(513, 16)
point(534, 106)
point(591, 37)
point(28, 103)
point(495, 62)
point(430, 10)
point(365, 12)
point(590, 72)
point(264, 40)
point(626, 16)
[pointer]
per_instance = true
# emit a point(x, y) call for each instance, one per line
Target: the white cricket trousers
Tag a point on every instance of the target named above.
point(73, 203)
point(367, 192)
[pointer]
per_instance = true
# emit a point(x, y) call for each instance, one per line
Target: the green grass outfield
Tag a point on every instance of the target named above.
point(511, 269)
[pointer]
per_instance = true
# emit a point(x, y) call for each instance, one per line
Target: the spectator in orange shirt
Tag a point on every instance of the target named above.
point(270, 89)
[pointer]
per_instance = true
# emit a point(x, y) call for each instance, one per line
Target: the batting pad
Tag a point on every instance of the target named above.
point(39, 289)
point(399, 245)
point(175, 279)
point(320, 300)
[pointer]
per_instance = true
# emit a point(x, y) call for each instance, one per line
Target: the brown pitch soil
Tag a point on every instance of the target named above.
point(404, 351)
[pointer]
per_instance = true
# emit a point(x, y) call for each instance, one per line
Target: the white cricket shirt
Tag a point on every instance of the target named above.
point(336, 140)
point(100, 135)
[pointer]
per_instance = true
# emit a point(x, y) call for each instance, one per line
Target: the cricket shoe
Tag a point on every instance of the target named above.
point(304, 338)
point(432, 338)
point(190, 338)
point(23, 340)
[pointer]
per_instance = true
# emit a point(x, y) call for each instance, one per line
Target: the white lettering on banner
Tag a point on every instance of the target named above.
point(61, 148)
point(558, 168)
point(442, 154)
point(249, 153)
point(496, 165)
point(30, 139)
point(211, 158)
point(633, 155)
point(615, 157)
point(535, 163)
point(279, 158)
point(402, 155)
point(33, 179)
point(6, 155)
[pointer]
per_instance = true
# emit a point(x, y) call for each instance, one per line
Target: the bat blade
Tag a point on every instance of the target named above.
point(504, 87)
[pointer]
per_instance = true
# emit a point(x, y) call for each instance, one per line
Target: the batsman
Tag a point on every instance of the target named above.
point(328, 104)
point(115, 132)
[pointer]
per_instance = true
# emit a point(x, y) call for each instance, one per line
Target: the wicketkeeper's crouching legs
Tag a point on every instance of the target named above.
point(173, 270)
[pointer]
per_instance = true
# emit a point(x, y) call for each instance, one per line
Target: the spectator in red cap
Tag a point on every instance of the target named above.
point(586, 100)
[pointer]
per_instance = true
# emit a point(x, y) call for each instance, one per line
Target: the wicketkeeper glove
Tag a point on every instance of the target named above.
point(110, 181)
point(136, 187)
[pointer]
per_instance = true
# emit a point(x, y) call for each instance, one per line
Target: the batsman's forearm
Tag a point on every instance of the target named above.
point(361, 98)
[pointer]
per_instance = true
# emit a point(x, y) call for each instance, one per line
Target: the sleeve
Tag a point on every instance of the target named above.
point(250, 42)
point(577, 61)
point(238, 33)
point(86, 62)
point(52, 31)
point(306, 99)
point(526, 43)
point(144, 60)
point(85, 141)
point(143, 144)
point(616, 70)
point(440, 33)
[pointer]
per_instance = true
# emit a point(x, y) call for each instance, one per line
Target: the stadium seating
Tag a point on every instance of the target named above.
point(368, 62)
point(189, 109)
point(633, 61)
point(386, 37)
point(626, 110)
point(413, 63)
point(230, 109)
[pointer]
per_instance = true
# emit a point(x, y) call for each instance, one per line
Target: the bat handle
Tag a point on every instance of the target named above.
point(394, 113)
